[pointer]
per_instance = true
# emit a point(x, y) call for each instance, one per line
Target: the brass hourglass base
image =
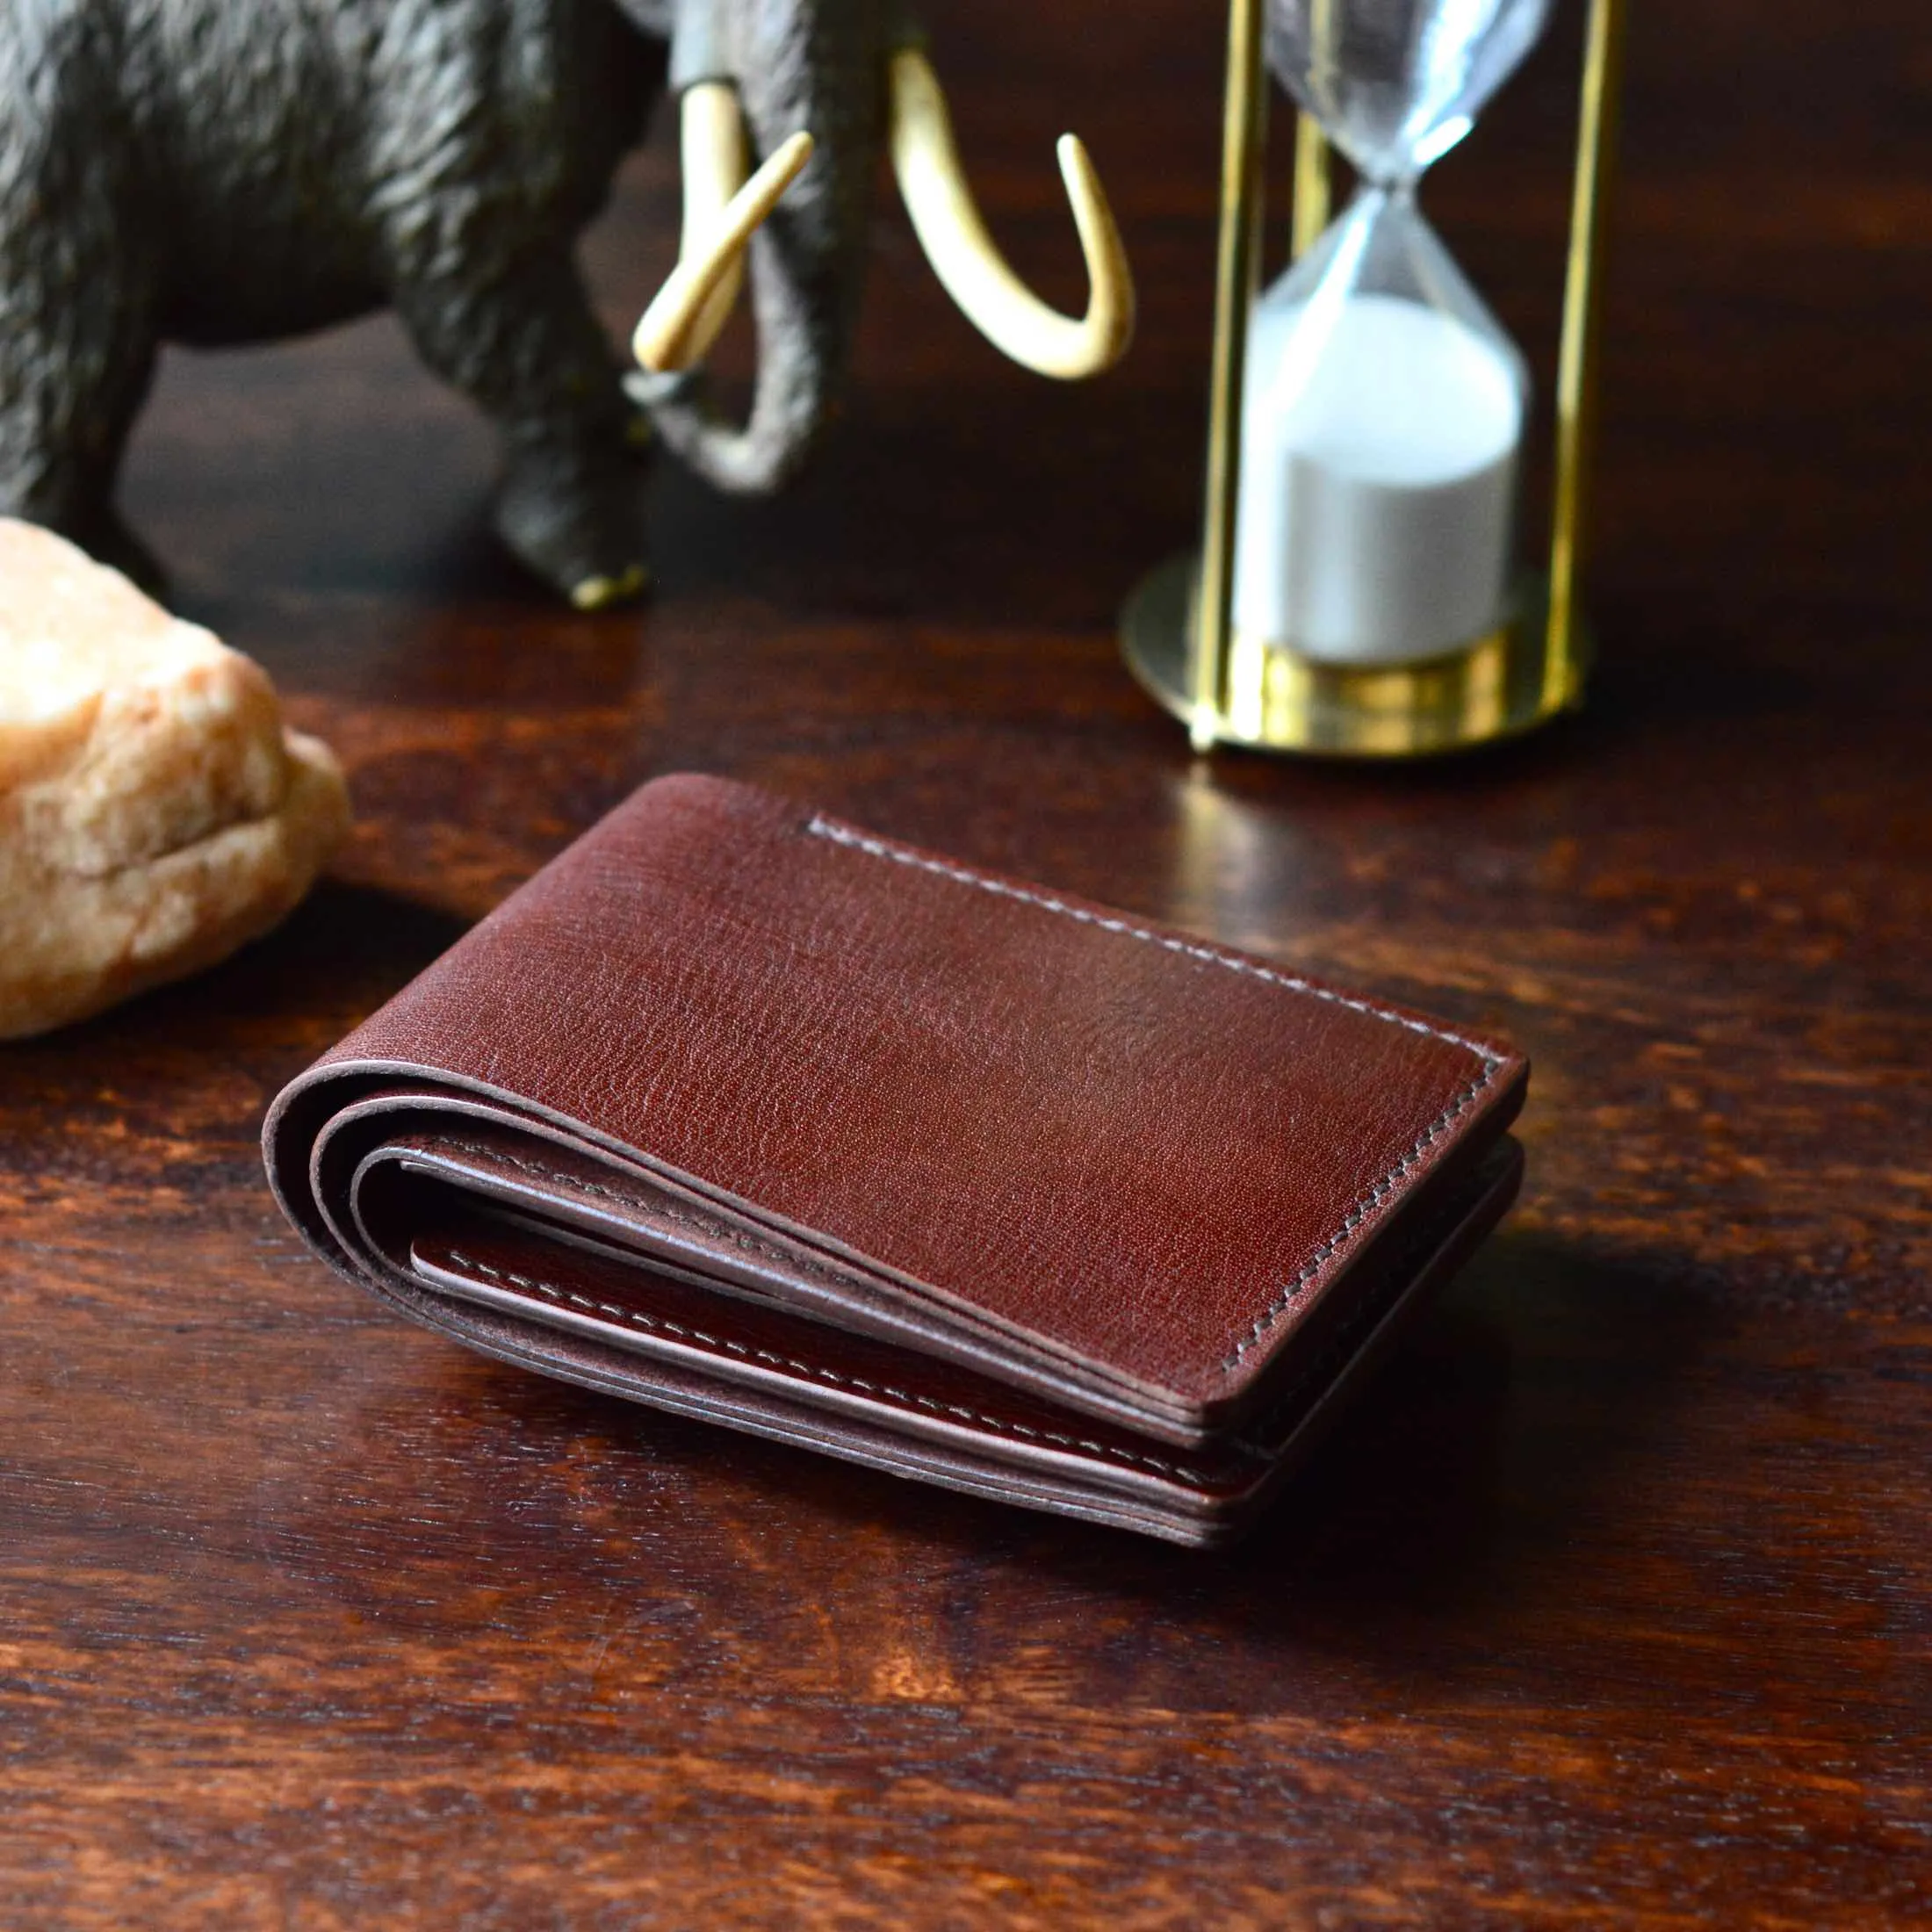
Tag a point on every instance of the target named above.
point(1275, 699)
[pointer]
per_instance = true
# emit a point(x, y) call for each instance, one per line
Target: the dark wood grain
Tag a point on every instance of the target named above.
point(1612, 1603)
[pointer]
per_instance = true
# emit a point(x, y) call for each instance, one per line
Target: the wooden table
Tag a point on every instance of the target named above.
point(1609, 1604)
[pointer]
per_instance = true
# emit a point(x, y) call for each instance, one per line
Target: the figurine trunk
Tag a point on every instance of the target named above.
point(821, 68)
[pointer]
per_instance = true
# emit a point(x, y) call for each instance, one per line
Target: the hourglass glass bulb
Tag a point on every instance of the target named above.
point(1396, 84)
point(1384, 410)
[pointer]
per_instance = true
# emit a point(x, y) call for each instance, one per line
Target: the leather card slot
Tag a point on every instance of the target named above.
point(569, 1196)
point(743, 1365)
point(501, 1261)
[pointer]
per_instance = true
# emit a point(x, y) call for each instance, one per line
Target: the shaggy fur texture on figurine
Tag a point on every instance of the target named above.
point(221, 171)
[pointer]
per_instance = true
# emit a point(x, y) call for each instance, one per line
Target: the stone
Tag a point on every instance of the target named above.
point(155, 814)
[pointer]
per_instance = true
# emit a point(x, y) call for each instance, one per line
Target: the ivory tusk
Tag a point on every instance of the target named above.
point(968, 262)
point(669, 335)
point(713, 164)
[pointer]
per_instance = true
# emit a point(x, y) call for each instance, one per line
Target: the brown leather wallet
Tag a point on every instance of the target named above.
point(739, 1111)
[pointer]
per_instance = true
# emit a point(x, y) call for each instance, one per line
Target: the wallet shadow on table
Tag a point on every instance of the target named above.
point(1466, 1472)
point(346, 945)
point(342, 949)
point(1470, 1472)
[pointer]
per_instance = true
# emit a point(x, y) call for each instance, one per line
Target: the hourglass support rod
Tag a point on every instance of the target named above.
point(1311, 184)
point(1237, 258)
point(1576, 362)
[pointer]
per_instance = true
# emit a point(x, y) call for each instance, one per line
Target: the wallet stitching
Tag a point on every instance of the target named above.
point(1367, 1203)
point(1377, 1309)
point(1361, 1212)
point(997, 1424)
point(826, 828)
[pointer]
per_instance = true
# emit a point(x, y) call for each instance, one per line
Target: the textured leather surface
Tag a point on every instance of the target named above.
point(740, 1110)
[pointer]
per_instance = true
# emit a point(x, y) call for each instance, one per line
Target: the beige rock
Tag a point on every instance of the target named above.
point(155, 814)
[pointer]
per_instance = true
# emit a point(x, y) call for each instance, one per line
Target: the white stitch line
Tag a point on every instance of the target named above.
point(1378, 1309)
point(826, 828)
point(658, 1323)
point(1356, 1215)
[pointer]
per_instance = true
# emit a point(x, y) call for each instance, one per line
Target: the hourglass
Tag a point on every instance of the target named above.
point(1359, 590)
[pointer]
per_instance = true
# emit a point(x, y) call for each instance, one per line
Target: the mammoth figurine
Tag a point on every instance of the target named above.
point(218, 172)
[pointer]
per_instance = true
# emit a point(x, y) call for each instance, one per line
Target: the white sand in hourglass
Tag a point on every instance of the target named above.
point(1378, 477)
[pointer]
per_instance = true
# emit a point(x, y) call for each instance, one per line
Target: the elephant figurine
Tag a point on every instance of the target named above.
point(221, 171)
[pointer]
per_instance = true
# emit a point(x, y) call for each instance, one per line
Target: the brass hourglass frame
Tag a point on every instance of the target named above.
point(1178, 632)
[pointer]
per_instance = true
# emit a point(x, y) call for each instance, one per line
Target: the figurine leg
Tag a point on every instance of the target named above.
point(74, 370)
point(78, 278)
point(529, 353)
